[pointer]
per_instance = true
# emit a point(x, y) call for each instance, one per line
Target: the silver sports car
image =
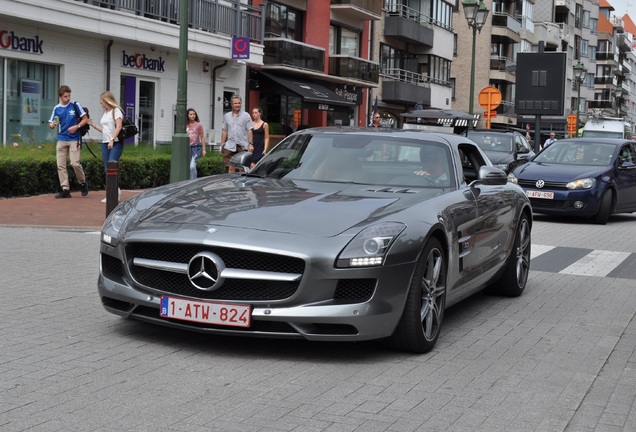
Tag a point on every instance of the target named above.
point(336, 234)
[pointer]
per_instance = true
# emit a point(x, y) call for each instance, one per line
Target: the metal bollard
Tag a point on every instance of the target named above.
point(112, 175)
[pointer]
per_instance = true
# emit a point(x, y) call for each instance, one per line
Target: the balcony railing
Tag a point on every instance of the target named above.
point(354, 68)
point(502, 19)
point(506, 108)
point(600, 104)
point(214, 16)
point(503, 64)
point(406, 76)
point(604, 80)
point(396, 8)
point(601, 56)
point(287, 52)
point(366, 7)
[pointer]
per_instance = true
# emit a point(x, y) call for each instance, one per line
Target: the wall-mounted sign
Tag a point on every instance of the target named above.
point(9, 40)
point(240, 48)
point(30, 91)
point(140, 61)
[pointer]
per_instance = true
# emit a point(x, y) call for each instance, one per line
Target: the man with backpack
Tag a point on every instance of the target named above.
point(71, 118)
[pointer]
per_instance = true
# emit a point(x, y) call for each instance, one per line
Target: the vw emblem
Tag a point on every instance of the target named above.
point(204, 271)
point(540, 184)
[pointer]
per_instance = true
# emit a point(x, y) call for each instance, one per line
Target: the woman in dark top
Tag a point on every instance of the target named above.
point(260, 134)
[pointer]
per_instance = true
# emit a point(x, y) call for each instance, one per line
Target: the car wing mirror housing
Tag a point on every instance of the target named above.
point(490, 175)
point(241, 160)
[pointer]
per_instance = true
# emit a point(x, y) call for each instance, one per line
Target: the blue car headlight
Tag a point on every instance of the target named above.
point(115, 221)
point(369, 247)
point(586, 183)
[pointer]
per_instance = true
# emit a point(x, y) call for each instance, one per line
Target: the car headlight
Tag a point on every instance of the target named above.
point(369, 247)
point(586, 183)
point(115, 221)
point(512, 178)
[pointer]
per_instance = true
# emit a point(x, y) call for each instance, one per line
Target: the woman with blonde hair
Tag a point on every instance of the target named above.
point(110, 126)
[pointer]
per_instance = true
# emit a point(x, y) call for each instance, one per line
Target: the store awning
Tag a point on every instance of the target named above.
point(310, 91)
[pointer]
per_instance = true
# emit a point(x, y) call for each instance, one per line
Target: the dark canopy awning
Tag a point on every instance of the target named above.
point(310, 91)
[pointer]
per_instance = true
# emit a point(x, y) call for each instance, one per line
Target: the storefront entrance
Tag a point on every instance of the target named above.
point(138, 99)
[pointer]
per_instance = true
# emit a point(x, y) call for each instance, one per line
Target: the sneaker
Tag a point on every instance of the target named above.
point(64, 194)
point(84, 187)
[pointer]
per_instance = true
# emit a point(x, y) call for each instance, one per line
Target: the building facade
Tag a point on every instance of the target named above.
point(129, 48)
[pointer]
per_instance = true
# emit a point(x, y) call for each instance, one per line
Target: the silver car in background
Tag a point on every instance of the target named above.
point(337, 234)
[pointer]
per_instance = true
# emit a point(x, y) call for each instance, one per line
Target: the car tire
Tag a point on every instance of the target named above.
point(605, 208)
point(423, 313)
point(515, 276)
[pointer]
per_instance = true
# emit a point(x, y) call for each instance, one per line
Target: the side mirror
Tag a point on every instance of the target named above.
point(489, 175)
point(242, 160)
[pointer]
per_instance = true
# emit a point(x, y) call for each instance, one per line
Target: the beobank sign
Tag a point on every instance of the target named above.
point(9, 40)
point(140, 61)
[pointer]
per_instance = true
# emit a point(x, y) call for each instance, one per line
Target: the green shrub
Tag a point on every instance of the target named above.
point(276, 129)
point(32, 169)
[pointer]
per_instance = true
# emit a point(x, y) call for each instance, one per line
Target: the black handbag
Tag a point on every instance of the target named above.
point(128, 128)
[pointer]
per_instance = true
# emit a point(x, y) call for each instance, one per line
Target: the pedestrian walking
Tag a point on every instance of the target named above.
point(237, 132)
point(110, 127)
point(70, 117)
point(194, 129)
point(260, 134)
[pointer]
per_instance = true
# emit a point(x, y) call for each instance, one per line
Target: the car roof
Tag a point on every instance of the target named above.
point(451, 139)
point(614, 141)
point(493, 131)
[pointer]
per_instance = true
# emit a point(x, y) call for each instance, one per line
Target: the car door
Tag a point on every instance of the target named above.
point(625, 179)
point(481, 239)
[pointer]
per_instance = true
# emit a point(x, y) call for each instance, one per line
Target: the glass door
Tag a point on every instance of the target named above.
point(138, 101)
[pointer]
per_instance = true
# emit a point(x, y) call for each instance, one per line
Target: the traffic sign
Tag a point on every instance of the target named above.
point(490, 114)
point(571, 124)
point(490, 98)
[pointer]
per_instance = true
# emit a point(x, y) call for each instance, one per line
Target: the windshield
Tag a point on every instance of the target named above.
point(492, 141)
point(351, 158)
point(577, 153)
point(601, 134)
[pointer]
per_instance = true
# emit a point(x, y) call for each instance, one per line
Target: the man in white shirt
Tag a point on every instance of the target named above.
point(434, 165)
point(549, 140)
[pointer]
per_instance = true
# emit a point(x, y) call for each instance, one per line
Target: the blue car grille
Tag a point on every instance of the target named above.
point(532, 184)
point(538, 203)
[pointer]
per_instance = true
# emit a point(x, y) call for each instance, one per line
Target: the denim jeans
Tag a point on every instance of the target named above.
point(195, 154)
point(111, 154)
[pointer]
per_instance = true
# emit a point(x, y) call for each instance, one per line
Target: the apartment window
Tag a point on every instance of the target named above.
point(442, 13)
point(344, 41)
point(586, 19)
point(393, 58)
point(283, 21)
point(438, 70)
point(585, 48)
point(453, 84)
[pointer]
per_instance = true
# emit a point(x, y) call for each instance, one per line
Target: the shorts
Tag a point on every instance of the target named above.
point(227, 154)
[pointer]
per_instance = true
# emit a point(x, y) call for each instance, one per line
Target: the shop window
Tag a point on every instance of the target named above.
point(29, 96)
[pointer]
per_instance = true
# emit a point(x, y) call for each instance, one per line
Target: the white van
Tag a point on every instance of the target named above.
point(607, 128)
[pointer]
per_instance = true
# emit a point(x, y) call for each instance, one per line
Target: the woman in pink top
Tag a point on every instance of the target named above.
point(194, 129)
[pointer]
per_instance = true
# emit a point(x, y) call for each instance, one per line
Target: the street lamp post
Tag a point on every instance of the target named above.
point(618, 93)
point(579, 75)
point(476, 14)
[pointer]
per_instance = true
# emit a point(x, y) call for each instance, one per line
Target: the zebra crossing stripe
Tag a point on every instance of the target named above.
point(536, 250)
point(596, 263)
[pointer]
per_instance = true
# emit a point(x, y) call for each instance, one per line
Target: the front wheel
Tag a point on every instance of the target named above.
point(605, 208)
point(423, 313)
point(515, 276)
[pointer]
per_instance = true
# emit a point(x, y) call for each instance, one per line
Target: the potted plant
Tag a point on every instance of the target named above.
point(276, 134)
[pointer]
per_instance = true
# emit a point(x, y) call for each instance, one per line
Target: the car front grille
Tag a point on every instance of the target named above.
point(171, 282)
point(532, 184)
point(538, 203)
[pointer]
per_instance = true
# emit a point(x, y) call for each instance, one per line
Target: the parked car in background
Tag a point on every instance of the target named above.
point(337, 234)
point(591, 177)
point(506, 149)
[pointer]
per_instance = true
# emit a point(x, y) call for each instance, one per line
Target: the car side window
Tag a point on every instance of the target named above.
point(627, 154)
point(471, 161)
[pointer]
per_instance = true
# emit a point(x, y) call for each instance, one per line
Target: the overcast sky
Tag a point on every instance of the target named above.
point(622, 7)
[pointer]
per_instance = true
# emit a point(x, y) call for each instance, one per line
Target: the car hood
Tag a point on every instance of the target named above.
point(556, 172)
point(296, 207)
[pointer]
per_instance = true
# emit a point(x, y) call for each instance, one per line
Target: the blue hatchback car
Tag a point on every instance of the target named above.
point(590, 177)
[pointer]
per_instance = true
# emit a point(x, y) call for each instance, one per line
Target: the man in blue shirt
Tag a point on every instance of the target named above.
point(68, 140)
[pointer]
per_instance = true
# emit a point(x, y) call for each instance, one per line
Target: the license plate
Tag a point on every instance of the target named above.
point(205, 312)
point(540, 194)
